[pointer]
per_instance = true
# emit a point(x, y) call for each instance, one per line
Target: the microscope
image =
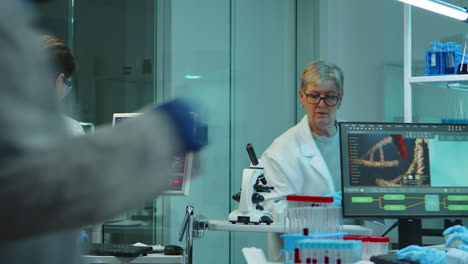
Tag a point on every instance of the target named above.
point(250, 200)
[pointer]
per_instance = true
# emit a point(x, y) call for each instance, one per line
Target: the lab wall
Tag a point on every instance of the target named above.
point(199, 70)
point(111, 52)
point(264, 89)
point(55, 19)
point(353, 37)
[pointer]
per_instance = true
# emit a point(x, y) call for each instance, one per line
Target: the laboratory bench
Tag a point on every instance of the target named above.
point(148, 259)
point(224, 225)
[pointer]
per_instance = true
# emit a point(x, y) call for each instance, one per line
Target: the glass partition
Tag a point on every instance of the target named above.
point(114, 47)
point(113, 44)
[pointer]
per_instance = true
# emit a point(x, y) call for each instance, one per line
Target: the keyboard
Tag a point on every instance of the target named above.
point(390, 258)
point(118, 250)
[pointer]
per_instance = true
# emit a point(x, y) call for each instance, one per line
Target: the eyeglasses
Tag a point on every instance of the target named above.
point(330, 100)
point(68, 82)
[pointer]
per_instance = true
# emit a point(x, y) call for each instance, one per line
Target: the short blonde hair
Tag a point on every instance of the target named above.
point(319, 71)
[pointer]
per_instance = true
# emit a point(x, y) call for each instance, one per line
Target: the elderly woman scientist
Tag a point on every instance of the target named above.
point(305, 159)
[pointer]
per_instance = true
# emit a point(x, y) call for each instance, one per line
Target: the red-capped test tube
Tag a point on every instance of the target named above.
point(311, 214)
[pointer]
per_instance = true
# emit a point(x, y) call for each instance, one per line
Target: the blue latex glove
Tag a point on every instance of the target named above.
point(422, 254)
point(463, 247)
point(182, 114)
point(463, 237)
point(455, 229)
point(337, 198)
point(434, 256)
point(84, 237)
point(414, 253)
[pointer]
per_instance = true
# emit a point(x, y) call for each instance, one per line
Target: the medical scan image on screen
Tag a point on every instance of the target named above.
point(404, 169)
point(389, 160)
point(392, 160)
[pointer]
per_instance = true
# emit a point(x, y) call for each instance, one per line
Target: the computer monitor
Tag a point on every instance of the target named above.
point(182, 164)
point(405, 171)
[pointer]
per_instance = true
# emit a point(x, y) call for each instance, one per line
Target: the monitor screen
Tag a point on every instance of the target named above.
point(403, 170)
point(182, 164)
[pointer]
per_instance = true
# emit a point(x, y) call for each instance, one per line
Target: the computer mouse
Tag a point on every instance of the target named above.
point(173, 250)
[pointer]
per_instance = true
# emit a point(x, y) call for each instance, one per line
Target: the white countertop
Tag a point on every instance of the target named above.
point(148, 259)
point(224, 225)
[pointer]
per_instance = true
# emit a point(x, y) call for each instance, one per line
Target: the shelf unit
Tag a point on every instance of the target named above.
point(435, 80)
point(453, 81)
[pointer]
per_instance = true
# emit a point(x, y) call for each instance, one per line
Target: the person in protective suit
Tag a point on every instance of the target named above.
point(52, 184)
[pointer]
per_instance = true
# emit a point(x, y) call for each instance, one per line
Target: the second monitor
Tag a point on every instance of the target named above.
point(182, 164)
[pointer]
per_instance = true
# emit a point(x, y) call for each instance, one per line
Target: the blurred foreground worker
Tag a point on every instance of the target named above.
point(51, 184)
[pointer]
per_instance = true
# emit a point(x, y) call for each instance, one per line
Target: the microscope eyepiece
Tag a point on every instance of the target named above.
point(251, 152)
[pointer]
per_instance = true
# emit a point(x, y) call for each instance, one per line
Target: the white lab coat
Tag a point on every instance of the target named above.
point(293, 165)
point(50, 183)
point(74, 126)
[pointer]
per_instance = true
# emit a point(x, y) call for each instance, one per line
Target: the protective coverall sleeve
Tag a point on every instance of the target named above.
point(50, 182)
point(85, 180)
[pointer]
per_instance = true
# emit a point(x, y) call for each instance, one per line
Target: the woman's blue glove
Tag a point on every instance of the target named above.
point(463, 247)
point(337, 198)
point(434, 256)
point(422, 254)
point(455, 229)
point(463, 237)
point(414, 253)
